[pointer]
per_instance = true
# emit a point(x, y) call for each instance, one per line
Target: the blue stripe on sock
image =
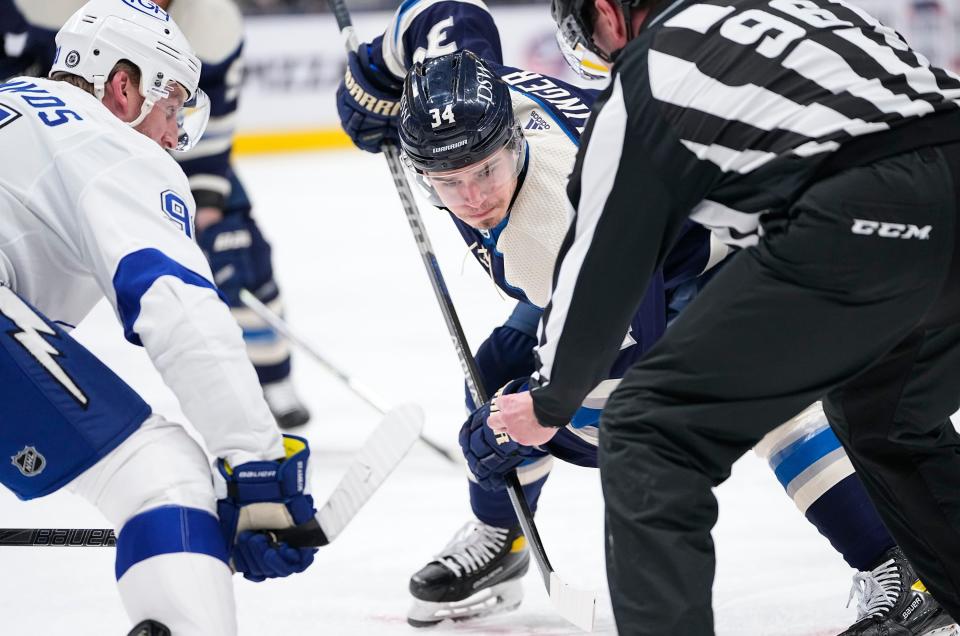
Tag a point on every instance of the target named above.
point(803, 453)
point(167, 530)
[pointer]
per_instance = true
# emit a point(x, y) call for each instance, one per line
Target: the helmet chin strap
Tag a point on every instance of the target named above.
point(145, 108)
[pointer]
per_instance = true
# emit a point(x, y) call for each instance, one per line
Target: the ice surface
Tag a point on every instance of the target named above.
point(356, 289)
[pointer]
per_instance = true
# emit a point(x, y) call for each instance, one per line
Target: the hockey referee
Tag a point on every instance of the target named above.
point(815, 140)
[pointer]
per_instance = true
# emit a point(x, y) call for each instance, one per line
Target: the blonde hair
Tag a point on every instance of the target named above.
point(131, 69)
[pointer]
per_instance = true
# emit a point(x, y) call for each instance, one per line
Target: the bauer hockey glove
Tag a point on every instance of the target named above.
point(488, 459)
point(266, 495)
point(368, 99)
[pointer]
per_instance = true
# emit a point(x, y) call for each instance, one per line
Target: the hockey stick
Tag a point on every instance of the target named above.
point(367, 395)
point(577, 606)
point(381, 453)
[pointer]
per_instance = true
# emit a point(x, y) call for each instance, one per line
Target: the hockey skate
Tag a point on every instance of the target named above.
point(150, 628)
point(894, 602)
point(285, 404)
point(478, 573)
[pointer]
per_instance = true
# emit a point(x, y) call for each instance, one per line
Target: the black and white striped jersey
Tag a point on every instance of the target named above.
point(720, 112)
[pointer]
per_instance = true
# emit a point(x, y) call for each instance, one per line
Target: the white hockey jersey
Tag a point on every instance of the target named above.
point(91, 208)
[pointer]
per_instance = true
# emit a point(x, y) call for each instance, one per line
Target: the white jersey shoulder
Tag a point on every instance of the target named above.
point(213, 27)
point(540, 214)
point(89, 208)
point(78, 172)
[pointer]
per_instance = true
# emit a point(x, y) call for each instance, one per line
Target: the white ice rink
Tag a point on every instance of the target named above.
point(355, 287)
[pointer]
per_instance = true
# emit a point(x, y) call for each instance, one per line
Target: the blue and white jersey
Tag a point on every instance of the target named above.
point(520, 253)
point(91, 208)
point(214, 29)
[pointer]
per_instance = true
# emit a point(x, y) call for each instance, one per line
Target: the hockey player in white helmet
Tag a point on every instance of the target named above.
point(226, 226)
point(91, 205)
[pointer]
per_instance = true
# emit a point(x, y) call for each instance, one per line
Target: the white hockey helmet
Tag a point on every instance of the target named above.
point(103, 32)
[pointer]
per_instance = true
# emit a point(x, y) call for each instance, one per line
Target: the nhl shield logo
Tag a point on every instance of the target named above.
point(29, 462)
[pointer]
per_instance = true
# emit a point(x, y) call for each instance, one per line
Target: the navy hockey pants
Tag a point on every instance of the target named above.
point(853, 294)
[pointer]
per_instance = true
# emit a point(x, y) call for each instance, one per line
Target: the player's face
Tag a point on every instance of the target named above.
point(480, 194)
point(161, 124)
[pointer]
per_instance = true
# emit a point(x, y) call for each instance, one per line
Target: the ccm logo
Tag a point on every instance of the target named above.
point(890, 230)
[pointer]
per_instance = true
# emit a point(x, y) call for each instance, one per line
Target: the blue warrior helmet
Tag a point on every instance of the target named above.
point(456, 116)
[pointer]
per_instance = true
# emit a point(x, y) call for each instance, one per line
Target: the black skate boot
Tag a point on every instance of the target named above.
point(894, 602)
point(478, 573)
point(150, 628)
point(285, 404)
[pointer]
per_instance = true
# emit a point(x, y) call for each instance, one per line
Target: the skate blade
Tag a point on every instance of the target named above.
point(577, 606)
point(503, 597)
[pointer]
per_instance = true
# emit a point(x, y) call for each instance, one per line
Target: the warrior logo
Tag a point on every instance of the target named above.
point(29, 461)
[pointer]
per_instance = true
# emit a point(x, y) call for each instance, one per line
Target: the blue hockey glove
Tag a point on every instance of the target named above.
point(368, 100)
point(488, 459)
point(238, 255)
point(267, 495)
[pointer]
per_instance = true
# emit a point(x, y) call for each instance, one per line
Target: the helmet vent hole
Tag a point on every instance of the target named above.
point(96, 51)
point(166, 31)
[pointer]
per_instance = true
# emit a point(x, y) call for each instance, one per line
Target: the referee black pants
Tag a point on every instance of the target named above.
point(853, 295)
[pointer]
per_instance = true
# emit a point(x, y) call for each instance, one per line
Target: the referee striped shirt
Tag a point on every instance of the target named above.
point(721, 112)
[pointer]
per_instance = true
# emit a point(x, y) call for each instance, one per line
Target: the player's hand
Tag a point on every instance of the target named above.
point(513, 415)
point(238, 255)
point(489, 456)
point(368, 101)
point(267, 495)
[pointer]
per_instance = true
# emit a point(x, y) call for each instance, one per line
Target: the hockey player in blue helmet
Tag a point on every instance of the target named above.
point(462, 141)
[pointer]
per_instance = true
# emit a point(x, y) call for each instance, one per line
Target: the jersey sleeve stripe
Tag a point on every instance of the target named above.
point(394, 49)
point(136, 273)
